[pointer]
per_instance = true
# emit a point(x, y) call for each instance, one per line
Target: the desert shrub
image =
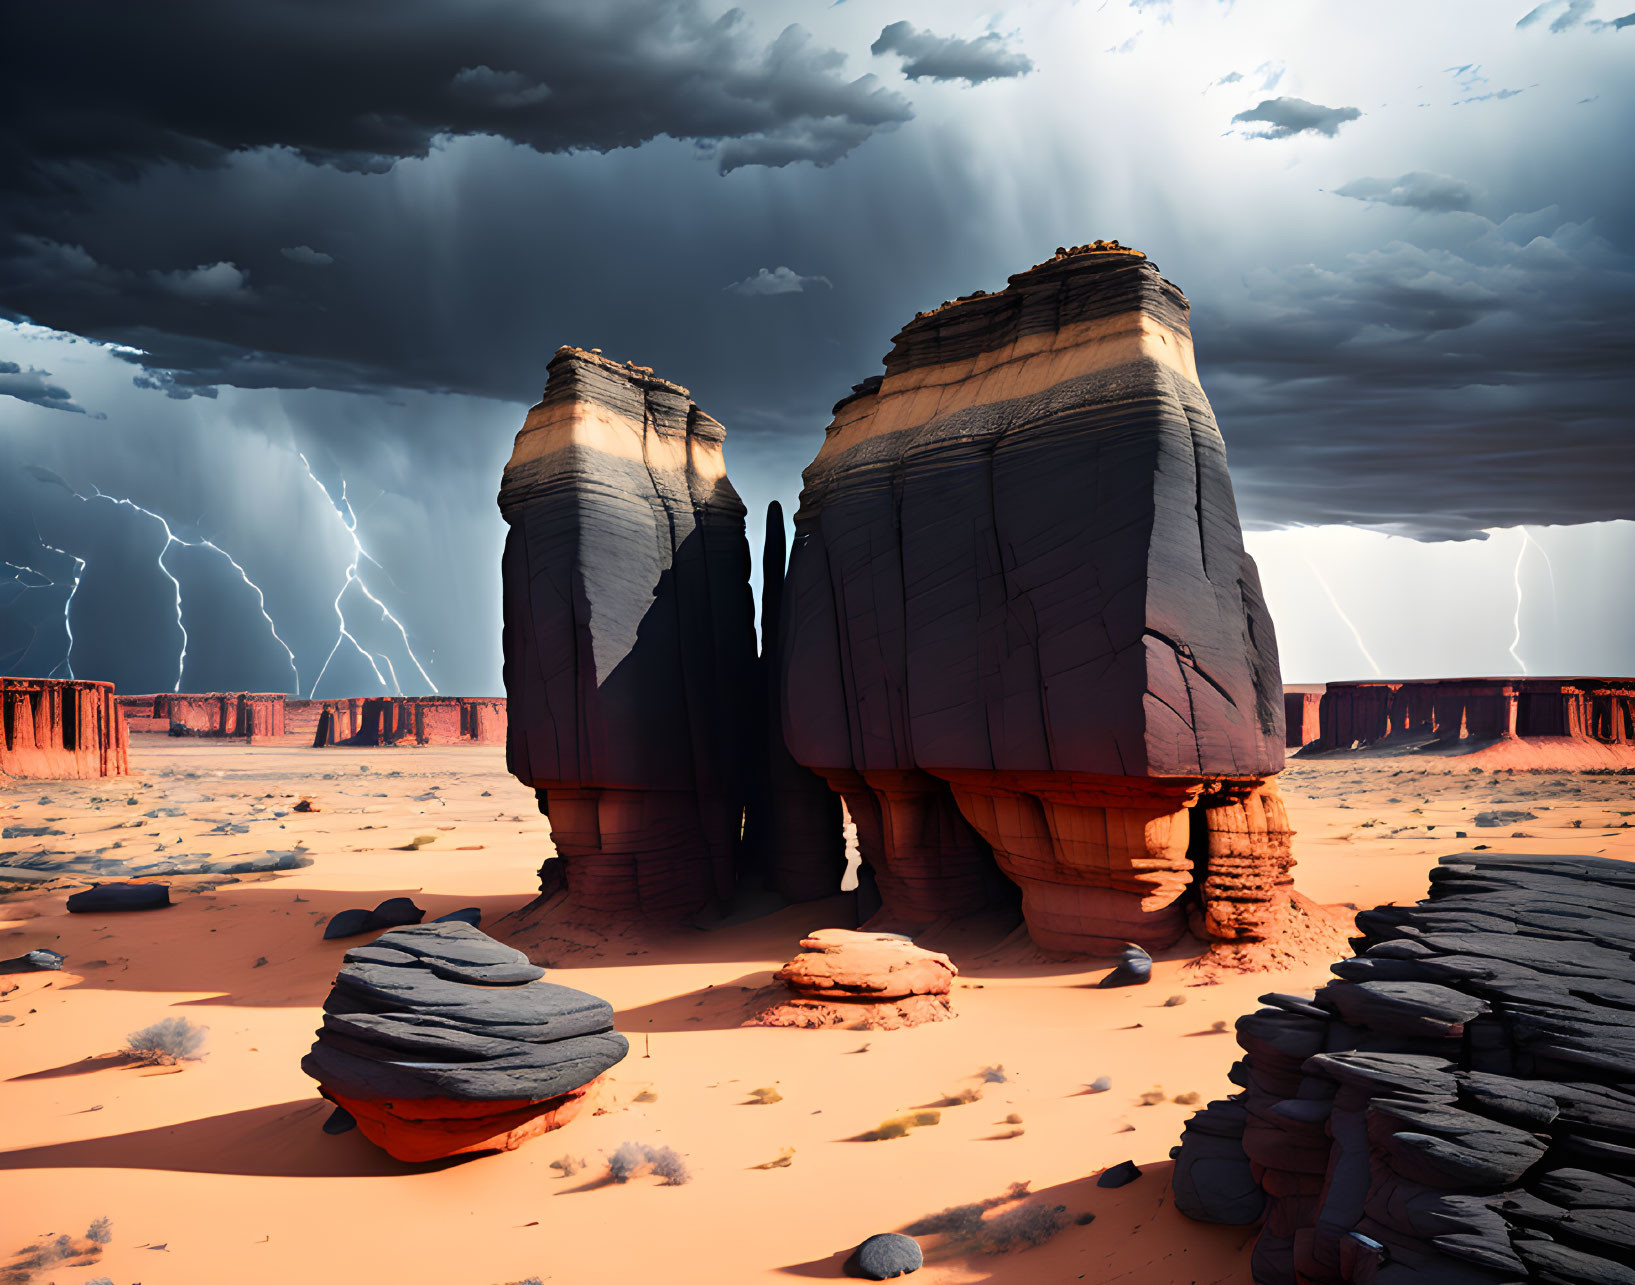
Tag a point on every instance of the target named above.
point(632, 1157)
point(1021, 1228)
point(968, 1230)
point(646, 1095)
point(569, 1165)
point(1218, 1027)
point(100, 1280)
point(1152, 1097)
point(786, 1157)
point(100, 1231)
point(766, 1096)
point(1013, 1118)
point(994, 1075)
point(898, 1126)
point(167, 1041)
point(667, 1164)
point(1188, 1099)
point(624, 1163)
point(1175, 1001)
point(961, 1221)
point(963, 1098)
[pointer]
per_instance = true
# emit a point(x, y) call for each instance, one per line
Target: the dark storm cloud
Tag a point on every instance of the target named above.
point(307, 255)
point(929, 56)
point(362, 83)
point(30, 386)
point(1434, 193)
point(1433, 390)
point(1564, 15)
point(1286, 117)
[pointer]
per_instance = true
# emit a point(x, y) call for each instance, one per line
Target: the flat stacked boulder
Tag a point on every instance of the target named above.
point(439, 1040)
point(1458, 1106)
point(877, 980)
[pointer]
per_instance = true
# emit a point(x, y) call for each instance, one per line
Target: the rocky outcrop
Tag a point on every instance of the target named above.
point(1020, 625)
point(248, 716)
point(1537, 722)
point(1457, 1106)
point(411, 720)
point(629, 641)
point(1302, 714)
point(440, 1041)
point(845, 978)
point(51, 728)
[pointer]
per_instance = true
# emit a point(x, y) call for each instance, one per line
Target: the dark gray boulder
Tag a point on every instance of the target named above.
point(119, 896)
point(35, 961)
point(1134, 968)
point(884, 1257)
point(394, 912)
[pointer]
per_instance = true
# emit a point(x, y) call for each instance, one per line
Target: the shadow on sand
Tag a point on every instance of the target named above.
point(285, 1140)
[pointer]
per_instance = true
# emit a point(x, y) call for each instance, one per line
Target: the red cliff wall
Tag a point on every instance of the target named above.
point(411, 720)
point(61, 729)
point(1439, 715)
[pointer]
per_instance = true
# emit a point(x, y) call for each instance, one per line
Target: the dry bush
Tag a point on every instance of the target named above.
point(1189, 1099)
point(766, 1095)
point(1175, 1001)
point(633, 1157)
point(646, 1095)
point(569, 1165)
point(993, 1075)
point(1013, 1118)
point(1152, 1097)
point(969, 1231)
point(166, 1042)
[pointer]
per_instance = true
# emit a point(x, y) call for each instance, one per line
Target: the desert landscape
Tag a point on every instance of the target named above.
point(223, 1160)
point(563, 720)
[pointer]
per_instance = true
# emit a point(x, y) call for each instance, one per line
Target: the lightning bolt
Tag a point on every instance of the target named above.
point(349, 523)
point(171, 538)
point(1516, 577)
point(66, 663)
point(1340, 612)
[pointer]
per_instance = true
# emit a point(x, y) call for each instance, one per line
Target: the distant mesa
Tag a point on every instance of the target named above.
point(411, 720)
point(1456, 1106)
point(1021, 636)
point(634, 688)
point(440, 1041)
point(254, 717)
point(52, 728)
point(1525, 722)
point(878, 981)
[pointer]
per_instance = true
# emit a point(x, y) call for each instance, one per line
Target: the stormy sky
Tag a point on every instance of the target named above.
point(236, 235)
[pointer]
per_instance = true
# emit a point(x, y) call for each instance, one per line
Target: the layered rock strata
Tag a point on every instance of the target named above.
point(629, 640)
point(1020, 625)
point(878, 980)
point(439, 1040)
point(1546, 715)
point(411, 720)
point(51, 728)
point(1458, 1106)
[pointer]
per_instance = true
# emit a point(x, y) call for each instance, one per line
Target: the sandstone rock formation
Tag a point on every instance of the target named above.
point(1020, 624)
point(1301, 714)
point(439, 1041)
point(51, 728)
point(629, 640)
point(1458, 1107)
point(845, 978)
point(411, 720)
point(1538, 722)
point(248, 716)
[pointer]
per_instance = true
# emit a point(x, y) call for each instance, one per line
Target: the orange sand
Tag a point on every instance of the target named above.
point(223, 1163)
